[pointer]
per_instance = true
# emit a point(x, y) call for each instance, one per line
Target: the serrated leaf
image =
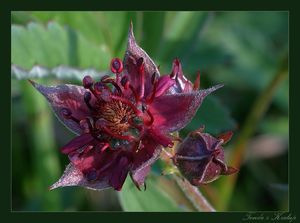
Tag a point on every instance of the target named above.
point(152, 199)
point(55, 45)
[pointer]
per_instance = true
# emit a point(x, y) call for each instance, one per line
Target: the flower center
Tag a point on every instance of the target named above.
point(118, 110)
point(117, 115)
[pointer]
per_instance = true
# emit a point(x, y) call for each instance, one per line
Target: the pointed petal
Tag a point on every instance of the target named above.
point(173, 112)
point(147, 153)
point(77, 143)
point(95, 160)
point(132, 54)
point(230, 170)
point(74, 177)
point(69, 97)
point(108, 165)
point(160, 138)
point(226, 136)
point(119, 173)
point(182, 85)
point(138, 177)
point(163, 85)
point(211, 173)
point(196, 85)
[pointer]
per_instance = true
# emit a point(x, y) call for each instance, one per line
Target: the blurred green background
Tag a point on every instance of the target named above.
point(247, 51)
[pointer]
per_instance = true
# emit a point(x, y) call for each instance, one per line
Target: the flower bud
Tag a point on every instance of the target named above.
point(116, 66)
point(87, 81)
point(200, 158)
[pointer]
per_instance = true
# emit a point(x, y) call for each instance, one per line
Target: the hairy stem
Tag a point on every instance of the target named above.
point(194, 195)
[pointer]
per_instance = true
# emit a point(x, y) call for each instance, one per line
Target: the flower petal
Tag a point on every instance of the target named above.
point(104, 165)
point(94, 160)
point(147, 153)
point(230, 170)
point(74, 177)
point(132, 54)
point(160, 138)
point(173, 112)
point(210, 173)
point(77, 143)
point(226, 136)
point(69, 97)
point(119, 173)
point(164, 84)
point(138, 177)
point(182, 85)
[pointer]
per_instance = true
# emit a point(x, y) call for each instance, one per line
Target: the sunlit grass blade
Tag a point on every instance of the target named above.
point(45, 163)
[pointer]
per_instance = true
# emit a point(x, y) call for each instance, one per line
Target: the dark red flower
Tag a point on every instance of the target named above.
point(200, 157)
point(122, 122)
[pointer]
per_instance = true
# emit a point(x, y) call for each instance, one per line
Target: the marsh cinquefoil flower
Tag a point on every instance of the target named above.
point(122, 122)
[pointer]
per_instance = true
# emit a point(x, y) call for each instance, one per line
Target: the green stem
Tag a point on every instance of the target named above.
point(194, 195)
point(257, 112)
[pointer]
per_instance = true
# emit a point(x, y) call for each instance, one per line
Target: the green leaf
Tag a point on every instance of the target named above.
point(54, 45)
point(19, 17)
point(152, 199)
point(153, 25)
point(213, 115)
point(109, 28)
point(180, 31)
